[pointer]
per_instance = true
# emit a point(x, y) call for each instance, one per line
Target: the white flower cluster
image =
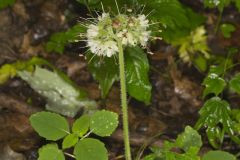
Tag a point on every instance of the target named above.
point(102, 36)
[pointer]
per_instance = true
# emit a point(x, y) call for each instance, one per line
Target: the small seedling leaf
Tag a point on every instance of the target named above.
point(69, 141)
point(49, 125)
point(90, 149)
point(50, 152)
point(104, 123)
point(81, 125)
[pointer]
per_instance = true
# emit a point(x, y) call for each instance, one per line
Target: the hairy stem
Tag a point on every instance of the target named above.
point(124, 102)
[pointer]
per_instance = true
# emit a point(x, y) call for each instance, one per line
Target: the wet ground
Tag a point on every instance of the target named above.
point(24, 31)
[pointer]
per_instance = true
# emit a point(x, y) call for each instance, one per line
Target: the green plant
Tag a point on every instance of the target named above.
point(194, 47)
point(5, 3)
point(227, 30)
point(115, 36)
point(187, 146)
point(216, 114)
point(54, 127)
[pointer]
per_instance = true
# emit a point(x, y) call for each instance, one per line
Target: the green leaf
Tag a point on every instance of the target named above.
point(217, 112)
point(235, 83)
point(5, 3)
point(137, 78)
point(81, 125)
point(69, 141)
point(59, 40)
point(213, 84)
point(189, 139)
point(227, 30)
point(49, 125)
point(62, 97)
point(105, 71)
point(237, 4)
point(201, 63)
point(50, 152)
point(103, 123)
point(90, 149)
point(218, 155)
point(7, 71)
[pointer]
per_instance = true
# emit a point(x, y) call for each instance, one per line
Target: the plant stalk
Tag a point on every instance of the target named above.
point(124, 101)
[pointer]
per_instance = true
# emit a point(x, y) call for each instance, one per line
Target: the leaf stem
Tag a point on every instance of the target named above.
point(124, 101)
point(69, 155)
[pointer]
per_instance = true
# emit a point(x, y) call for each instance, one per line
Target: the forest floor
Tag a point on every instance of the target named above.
point(177, 91)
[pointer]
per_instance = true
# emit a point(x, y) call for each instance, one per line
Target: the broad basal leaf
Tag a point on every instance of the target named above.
point(103, 123)
point(90, 149)
point(69, 141)
point(235, 83)
point(213, 84)
point(81, 125)
point(218, 155)
point(104, 70)
point(217, 112)
point(189, 139)
point(50, 152)
point(61, 96)
point(49, 125)
point(137, 77)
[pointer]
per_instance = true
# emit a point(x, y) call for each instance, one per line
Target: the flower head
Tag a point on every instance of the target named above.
point(131, 30)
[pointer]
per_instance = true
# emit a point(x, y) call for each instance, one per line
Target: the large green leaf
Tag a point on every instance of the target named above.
point(50, 152)
point(103, 123)
point(235, 83)
point(213, 84)
point(81, 125)
point(90, 149)
point(217, 112)
point(49, 125)
point(218, 155)
point(188, 139)
point(62, 97)
point(104, 70)
point(137, 78)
